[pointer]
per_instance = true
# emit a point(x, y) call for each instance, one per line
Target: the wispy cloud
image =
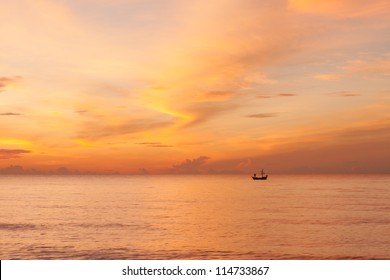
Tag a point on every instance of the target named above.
point(94, 130)
point(214, 96)
point(12, 153)
point(217, 57)
point(6, 81)
point(81, 111)
point(347, 93)
point(154, 144)
point(10, 114)
point(204, 111)
point(374, 66)
point(266, 96)
point(342, 8)
point(344, 93)
point(262, 115)
point(286, 94)
point(256, 79)
point(327, 77)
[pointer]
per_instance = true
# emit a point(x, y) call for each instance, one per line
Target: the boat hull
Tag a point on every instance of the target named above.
point(260, 178)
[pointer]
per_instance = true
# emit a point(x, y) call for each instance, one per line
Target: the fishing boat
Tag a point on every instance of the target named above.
point(262, 177)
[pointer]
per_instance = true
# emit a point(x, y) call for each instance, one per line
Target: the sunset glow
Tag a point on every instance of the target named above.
point(225, 86)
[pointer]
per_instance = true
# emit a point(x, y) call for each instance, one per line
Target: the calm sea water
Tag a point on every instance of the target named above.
point(195, 217)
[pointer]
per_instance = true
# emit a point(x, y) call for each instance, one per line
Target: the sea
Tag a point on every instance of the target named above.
point(205, 217)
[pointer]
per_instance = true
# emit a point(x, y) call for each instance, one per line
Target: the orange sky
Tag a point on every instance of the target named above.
point(170, 86)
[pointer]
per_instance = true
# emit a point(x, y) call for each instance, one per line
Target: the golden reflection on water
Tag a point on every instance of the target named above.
point(195, 217)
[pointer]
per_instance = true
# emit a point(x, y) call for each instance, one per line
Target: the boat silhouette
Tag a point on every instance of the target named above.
point(262, 177)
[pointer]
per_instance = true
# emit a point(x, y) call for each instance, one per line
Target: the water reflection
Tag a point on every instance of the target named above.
point(194, 217)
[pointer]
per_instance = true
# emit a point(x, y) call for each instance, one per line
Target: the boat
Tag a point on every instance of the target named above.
point(262, 177)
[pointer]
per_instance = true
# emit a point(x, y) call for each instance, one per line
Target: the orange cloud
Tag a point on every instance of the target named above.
point(345, 93)
point(266, 96)
point(195, 77)
point(373, 66)
point(9, 81)
point(213, 59)
point(10, 114)
point(327, 77)
point(8, 153)
point(190, 166)
point(214, 96)
point(262, 115)
point(344, 8)
point(98, 129)
point(154, 144)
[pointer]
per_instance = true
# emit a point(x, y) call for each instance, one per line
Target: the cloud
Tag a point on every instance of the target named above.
point(266, 96)
point(96, 131)
point(12, 169)
point(154, 144)
point(7, 81)
point(344, 93)
point(213, 59)
point(62, 170)
point(101, 128)
point(215, 96)
point(10, 153)
point(245, 164)
point(321, 151)
point(327, 77)
point(256, 79)
point(342, 8)
point(10, 114)
point(191, 63)
point(348, 94)
point(143, 171)
point(204, 111)
point(286, 94)
point(262, 115)
point(190, 166)
point(149, 143)
point(374, 66)
point(364, 133)
point(81, 111)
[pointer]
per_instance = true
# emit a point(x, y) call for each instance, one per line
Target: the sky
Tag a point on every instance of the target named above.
point(170, 86)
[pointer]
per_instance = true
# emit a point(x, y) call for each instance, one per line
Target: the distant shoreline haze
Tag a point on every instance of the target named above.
point(19, 170)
